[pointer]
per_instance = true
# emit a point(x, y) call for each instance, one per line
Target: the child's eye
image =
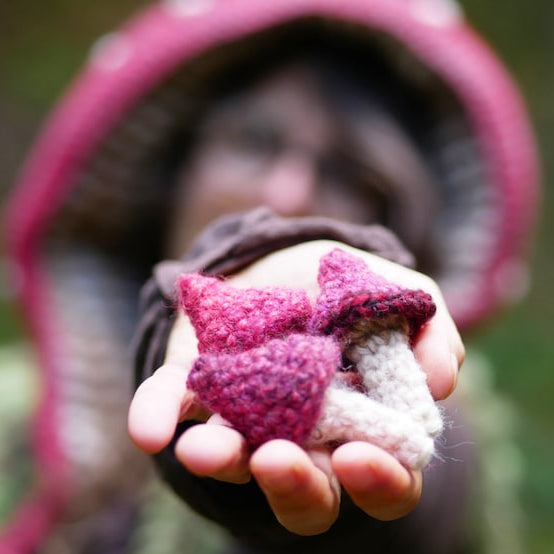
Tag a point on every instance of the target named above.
point(256, 137)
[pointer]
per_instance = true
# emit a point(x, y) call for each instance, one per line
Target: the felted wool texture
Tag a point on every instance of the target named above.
point(349, 415)
point(232, 320)
point(271, 391)
point(271, 365)
point(392, 377)
point(351, 292)
point(375, 320)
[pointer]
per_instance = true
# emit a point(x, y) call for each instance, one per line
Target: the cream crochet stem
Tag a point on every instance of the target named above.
point(348, 415)
point(392, 376)
point(396, 410)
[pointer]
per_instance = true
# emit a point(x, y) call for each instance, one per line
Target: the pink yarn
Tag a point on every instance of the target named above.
point(272, 391)
point(232, 320)
point(351, 292)
point(267, 358)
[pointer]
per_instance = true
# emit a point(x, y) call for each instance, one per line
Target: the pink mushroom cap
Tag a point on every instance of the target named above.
point(351, 293)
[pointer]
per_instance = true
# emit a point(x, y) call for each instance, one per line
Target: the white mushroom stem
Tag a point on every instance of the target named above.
point(348, 415)
point(392, 376)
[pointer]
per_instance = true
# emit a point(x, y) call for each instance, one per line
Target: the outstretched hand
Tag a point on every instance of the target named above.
point(302, 487)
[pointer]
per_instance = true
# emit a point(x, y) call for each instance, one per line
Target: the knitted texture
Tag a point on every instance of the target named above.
point(233, 320)
point(350, 415)
point(274, 367)
point(351, 292)
point(392, 377)
point(272, 391)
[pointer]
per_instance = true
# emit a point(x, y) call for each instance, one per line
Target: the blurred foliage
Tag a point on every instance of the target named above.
point(42, 44)
point(520, 343)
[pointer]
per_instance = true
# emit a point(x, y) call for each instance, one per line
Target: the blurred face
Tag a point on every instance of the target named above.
point(280, 144)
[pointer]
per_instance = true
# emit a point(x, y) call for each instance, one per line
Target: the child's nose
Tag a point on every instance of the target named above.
point(290, 186)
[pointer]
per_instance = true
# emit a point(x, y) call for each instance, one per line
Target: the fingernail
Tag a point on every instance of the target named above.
point(454, 370)
point(216, 419)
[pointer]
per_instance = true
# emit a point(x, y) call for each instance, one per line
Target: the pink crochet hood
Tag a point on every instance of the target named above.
point(132, 83)
point(125, 67)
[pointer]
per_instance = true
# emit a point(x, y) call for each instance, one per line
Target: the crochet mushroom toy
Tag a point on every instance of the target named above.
point(273, 366)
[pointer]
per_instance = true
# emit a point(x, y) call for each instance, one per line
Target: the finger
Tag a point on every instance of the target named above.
point(299, 488)
point(440, 352)
point(375, 481)
point(156, 408)
point(215, 451)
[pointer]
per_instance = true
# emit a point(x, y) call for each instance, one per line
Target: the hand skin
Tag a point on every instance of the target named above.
point(302, 487)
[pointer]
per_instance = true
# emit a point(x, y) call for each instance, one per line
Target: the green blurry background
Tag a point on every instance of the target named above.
point(42, 45)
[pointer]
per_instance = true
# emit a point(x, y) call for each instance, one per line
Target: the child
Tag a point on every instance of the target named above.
point(366, 114)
